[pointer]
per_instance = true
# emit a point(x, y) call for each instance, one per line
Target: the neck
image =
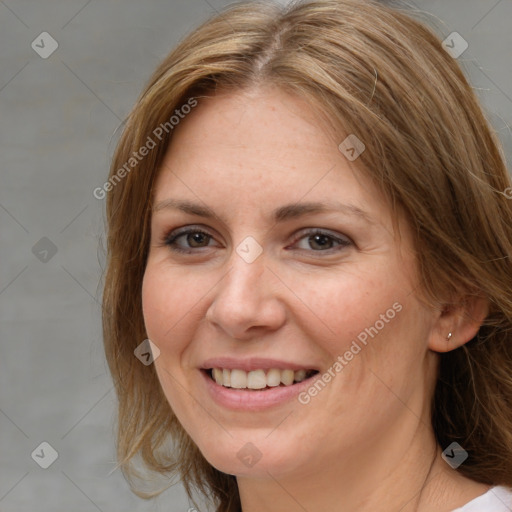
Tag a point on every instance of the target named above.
point(358, 481)
point(405, 472)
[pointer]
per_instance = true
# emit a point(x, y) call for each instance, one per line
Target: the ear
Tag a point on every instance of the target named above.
point(462, 320)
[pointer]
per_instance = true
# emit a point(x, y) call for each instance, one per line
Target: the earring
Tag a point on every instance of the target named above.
point(449, 336)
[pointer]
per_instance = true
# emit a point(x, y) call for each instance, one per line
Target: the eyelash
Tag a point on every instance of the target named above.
point(170, 240)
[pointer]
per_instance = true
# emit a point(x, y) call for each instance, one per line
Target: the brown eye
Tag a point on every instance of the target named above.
point(194, 239)
point(197, 239)
point(320, 241)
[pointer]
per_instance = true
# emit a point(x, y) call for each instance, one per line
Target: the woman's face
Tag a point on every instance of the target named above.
point(269, 285)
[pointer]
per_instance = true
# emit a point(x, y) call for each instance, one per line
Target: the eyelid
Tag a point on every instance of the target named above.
point(341, 239)
point(322, 231)
point(172, 235)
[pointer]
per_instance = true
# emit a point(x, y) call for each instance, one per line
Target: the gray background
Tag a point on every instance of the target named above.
point(58, 118)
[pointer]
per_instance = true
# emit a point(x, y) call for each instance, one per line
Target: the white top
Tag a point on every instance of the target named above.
point(496, 499)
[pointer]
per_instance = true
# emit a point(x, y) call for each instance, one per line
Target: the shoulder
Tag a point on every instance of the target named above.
point(496, 499)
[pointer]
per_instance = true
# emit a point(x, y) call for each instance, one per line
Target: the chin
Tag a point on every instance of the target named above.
point(259, 458)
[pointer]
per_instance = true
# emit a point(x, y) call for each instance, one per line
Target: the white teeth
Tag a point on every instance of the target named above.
point(273, 377)
point(300, 375)
point(287, 377)
point(217, 375)
point(238, 379)
point(257, 379)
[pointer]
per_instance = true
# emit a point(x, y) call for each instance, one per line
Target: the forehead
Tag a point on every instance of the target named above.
point(266, 120)
point(259, 150)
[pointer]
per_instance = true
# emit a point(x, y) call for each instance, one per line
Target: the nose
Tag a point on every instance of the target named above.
point(246, 301)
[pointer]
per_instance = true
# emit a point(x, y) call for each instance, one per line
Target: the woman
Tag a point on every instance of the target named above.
point(309, 218)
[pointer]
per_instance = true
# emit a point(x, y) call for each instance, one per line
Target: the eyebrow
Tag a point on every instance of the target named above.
point(280, 214)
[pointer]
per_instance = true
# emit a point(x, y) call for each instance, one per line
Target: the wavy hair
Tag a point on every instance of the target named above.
point(371, 70)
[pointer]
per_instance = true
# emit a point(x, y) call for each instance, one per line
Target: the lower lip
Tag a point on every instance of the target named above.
point(249, 400)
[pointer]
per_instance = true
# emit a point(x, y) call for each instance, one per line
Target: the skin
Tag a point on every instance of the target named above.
point(364, 443)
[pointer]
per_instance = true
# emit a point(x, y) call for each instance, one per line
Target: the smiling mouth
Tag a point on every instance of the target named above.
point(258, 380)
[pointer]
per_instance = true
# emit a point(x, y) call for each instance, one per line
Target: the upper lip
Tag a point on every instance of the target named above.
point(253, 363)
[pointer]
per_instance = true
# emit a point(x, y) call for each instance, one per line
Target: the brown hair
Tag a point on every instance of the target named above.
point(375, 72)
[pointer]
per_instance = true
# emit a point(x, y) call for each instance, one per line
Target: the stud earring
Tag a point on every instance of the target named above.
point(449, 336)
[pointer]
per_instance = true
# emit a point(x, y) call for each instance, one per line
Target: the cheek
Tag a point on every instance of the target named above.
point(343, 306)
point(168, 304)
point(168, 315)
point(155, 298)
point(372, 320)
